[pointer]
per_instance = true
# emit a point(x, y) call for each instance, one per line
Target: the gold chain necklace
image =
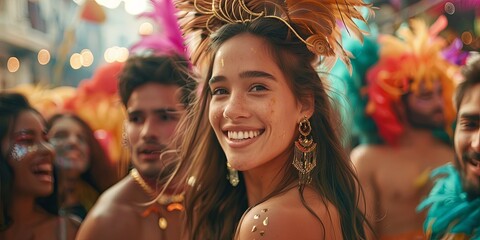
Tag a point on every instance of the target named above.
point(139, 180)
point(164, 199)
point(172, 202)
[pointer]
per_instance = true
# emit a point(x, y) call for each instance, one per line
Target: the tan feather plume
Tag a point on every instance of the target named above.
point(315, 22)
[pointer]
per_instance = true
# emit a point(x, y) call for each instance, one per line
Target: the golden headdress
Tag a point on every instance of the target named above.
point(314, 22)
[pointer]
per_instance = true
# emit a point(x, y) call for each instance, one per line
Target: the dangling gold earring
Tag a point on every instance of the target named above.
point(305, 157)
point(232, 175)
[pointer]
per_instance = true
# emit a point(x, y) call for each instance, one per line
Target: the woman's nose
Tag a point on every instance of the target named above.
point(236, 107)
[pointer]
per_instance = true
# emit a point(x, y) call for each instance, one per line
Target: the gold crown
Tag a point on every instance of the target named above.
point(314, 22)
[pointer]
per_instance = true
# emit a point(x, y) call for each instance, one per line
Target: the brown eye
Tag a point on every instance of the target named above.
point(469, 125)
point(135, 119)
point(219, 91)
point(258, 88)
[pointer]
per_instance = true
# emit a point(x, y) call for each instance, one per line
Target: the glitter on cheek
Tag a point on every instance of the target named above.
point(18, 152)
point(271, 105)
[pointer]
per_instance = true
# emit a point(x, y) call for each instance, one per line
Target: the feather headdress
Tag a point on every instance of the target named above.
point(407, 60)
point(314, 22)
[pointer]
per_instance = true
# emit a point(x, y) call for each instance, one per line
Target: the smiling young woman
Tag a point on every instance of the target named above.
point(264, 121)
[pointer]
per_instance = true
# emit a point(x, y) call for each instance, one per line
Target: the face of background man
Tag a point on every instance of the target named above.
point(467, 141)
point(153, 114)
point(425, 109)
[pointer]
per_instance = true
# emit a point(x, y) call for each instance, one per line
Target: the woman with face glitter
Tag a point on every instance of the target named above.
point(264, 120)
point(28, 202)
point(84, 169)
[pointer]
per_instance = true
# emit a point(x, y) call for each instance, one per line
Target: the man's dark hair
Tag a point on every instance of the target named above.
point(166, 70)
point(472, 78)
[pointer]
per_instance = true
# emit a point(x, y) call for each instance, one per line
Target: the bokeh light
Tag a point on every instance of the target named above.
point(116, 54)
point(87, 57)
point(122, 54)
point(43, 56)
point(112, 4)
point(467, 38)
point(145, 29)
point(449, 8)
point(76, 61)
point(135, 7)
point(13, 64)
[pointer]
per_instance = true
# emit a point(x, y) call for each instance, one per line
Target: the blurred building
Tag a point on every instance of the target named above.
point(61, 42)
point(25, 29)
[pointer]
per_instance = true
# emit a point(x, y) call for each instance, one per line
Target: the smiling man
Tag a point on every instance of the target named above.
point(455, 199)
point(467, 132)
point(154, 92)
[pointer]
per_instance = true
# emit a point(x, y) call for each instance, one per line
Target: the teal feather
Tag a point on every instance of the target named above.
point(449, 210)
point(347, 86)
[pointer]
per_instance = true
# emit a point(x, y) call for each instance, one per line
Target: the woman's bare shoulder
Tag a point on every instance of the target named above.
point(285, 217)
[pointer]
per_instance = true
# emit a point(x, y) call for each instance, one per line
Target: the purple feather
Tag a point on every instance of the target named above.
point(454, 53)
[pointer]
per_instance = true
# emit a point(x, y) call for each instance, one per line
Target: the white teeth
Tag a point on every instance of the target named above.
point(242, 134)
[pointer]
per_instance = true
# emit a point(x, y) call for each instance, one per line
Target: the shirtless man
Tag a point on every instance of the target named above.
point(407, 107)
point(153, 90)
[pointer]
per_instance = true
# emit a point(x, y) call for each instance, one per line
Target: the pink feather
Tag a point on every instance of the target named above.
point(170, 39)
point(440, 24)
